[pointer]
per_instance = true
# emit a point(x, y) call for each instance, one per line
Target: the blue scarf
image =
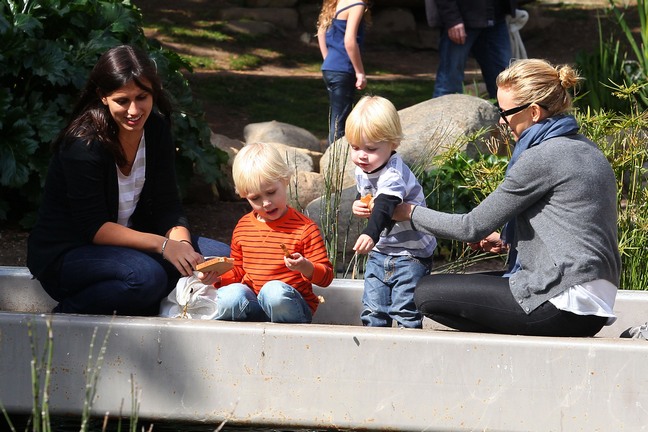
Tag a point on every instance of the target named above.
point(552, 127)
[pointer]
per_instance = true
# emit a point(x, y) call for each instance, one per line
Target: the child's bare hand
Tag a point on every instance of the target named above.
point(364, 244)
point(297, 262)
point(361, 209)
point(208, 278)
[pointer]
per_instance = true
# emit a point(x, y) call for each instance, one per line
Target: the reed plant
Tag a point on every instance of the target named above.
point(621, 61)
point(41, 371)
point(624, 140)
point(459, 182)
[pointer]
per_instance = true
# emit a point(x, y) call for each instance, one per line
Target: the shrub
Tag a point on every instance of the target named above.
point(611, 68)
point(48, 49)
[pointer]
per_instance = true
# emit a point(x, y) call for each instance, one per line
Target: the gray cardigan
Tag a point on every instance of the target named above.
point(563, 196)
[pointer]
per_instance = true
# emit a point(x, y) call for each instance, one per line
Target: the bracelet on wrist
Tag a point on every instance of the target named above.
point(164, 244)
point(186, 241)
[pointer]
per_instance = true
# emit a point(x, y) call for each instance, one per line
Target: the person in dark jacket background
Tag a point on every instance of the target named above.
point(111, 235)
point(476, 27)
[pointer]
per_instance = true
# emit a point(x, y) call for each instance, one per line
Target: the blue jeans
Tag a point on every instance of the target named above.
point(491, 47)
point(277, 302)
point(103, 280)
point(341, 91)
point(389, 290)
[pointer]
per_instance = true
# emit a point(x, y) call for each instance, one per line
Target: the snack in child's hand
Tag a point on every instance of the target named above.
point(286, 252)
point(368, 199)
point(219, 265)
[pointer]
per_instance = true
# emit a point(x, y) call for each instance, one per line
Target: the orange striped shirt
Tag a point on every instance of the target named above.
point(258, 256)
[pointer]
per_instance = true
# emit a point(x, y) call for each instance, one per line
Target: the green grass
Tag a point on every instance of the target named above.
point(301, 102)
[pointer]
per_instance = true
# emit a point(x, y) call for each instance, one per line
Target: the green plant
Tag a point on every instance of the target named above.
point(457, 183)
point(622, 137)
point(49, 47)
point(638, 72)
point(244, 62)
point(330, 209)
point(610, 68)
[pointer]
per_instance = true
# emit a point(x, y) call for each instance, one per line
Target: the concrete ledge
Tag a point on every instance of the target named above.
point(318, 376)
point(342, 306)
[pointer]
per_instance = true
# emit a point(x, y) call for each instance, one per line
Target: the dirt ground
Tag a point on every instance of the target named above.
point(549, 36)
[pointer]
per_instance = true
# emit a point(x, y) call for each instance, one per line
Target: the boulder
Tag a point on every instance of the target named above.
point(334, 212)
point(226, 144)
point(297, 159)
point(305, 187)
point(278, 132)
point(433, 126)
point(225, 189)
point(336, 164)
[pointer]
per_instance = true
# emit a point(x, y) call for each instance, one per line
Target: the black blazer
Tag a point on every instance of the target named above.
point(81, 194)
point(473, 13)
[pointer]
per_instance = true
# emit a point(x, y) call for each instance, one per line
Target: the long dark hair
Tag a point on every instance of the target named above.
point(91, 119)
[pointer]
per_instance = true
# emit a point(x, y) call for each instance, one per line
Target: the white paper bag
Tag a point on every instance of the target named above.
point(190, 299)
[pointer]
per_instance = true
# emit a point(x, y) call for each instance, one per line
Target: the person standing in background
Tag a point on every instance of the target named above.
point(340, 34)
point(476, 27)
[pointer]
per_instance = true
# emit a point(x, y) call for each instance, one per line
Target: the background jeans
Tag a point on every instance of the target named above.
point(491, 47)
point(277, 302)
point(341, 91)
point(389, 290)
point(103, 280)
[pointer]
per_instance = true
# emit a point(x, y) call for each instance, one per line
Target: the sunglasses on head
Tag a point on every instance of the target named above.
point(510, 112)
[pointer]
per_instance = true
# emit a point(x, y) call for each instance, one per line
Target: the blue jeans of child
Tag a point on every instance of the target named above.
point(389, 290)
point(277, 302)
point(491, 47)
point(341, 91)
point(103, 280)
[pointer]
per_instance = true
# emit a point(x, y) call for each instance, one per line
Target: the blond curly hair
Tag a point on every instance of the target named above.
point(328, 12)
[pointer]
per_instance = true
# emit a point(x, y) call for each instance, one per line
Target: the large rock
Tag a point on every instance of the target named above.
point(429, 129)
point(225, 189)
point(228, 145)
point(284, 133)
point(336, 164)
point(333, 212)
point(297, 159)
point(304, 188)
point(433, 126)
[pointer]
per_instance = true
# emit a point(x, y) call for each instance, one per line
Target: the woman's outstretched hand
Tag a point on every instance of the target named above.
point(403, 212)
point(492, 243)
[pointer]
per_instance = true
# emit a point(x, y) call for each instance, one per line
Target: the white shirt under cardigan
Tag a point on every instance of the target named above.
point(592, 298)
point(130, 186)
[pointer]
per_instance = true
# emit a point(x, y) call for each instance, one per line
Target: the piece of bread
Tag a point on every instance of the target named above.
point(219, 265)
point(368, 199)
point(286, 252)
